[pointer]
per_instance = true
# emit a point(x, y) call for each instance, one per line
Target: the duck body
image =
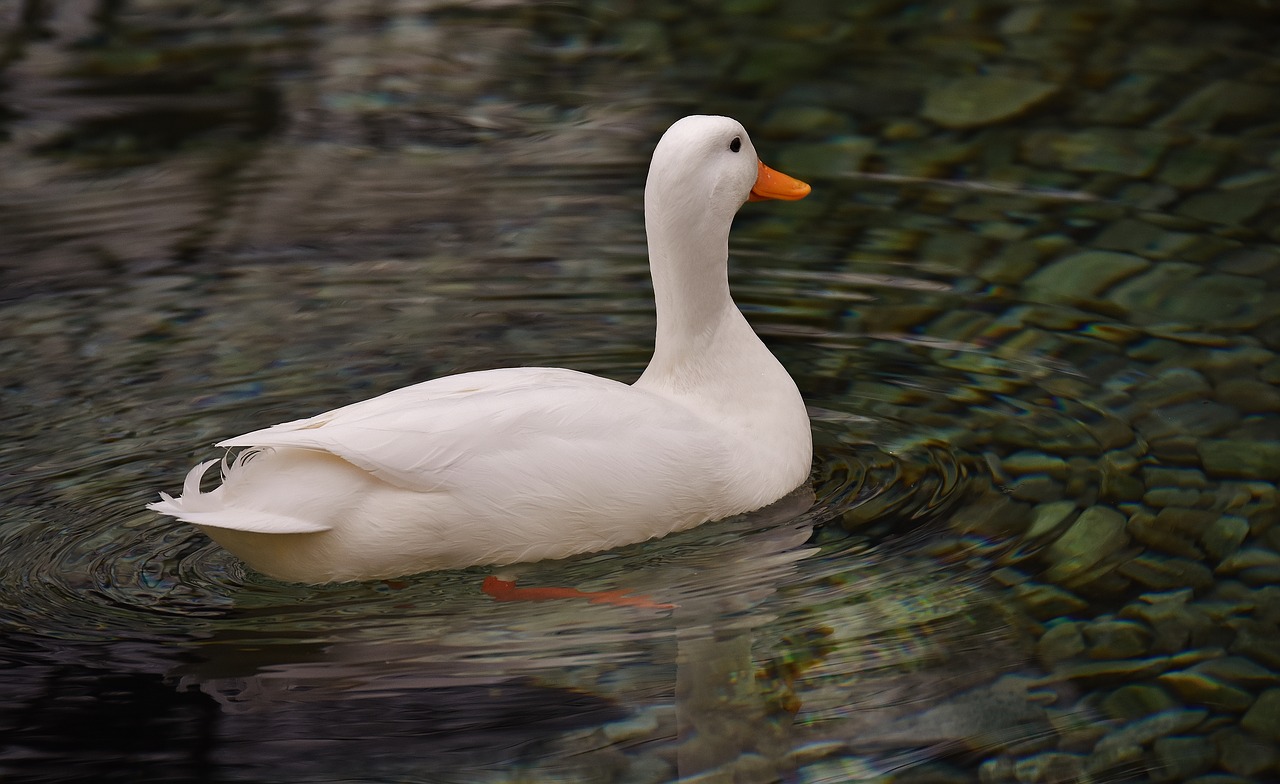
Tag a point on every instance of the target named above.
point(524, 464)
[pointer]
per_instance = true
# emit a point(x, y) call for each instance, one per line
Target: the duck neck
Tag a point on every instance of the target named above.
point(688, 258)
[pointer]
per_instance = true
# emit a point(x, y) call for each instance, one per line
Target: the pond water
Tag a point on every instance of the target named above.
point(1033, 304)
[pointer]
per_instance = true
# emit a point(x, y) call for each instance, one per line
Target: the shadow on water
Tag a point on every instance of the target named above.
point(1032, 305)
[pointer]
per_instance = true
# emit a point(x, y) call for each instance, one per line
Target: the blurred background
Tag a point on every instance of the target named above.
point(1033, 303)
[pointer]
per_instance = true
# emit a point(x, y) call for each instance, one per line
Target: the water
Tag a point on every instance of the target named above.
point(1036, 332)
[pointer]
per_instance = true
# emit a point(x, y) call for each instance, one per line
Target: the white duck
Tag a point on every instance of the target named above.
point(523, 464)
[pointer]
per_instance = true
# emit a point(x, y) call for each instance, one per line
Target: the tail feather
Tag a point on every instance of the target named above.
point(210, 509)
point(251, 520)
point(191, 485)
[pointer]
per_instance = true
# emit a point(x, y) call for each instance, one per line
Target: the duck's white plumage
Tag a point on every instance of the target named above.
point(522, 464)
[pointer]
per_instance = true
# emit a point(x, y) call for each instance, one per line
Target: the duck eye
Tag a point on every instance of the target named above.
point(736, 144)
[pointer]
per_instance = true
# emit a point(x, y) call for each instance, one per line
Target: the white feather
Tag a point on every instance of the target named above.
point(519, 464)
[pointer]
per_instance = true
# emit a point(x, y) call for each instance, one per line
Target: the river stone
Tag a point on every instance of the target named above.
point(1175, 449)
point(1145, 239)
point(1062, 641)
point(1220, 610)
point(1159, 725)
point(1136, 700)
point(1200, 689)
point(841, 155)
point(1267, 608)
point(992, 514)
point(1258, 641)
point(1047, 517)
point(1163, 573)
point(1144, 528)
point(1051, 767)
point(998, 770)
point(1128, 102)
point(1195, 656)
point(642, 725)
point(1248, 558)
point(1192, 522)
point(1117, 639)
point(1271, 373)
point(1240, 361)
point(1208, 106)
point(1102, 579)
point(1263, 719)
point(1225, 300)
point(1227, 207)
point(1249, 395)
point(1125, 744)
point(1173, 625)
point(1224, 535)
point(1110, 432)
point(1120, 488)
point(1012, 263)
point(1097, 533)
point(1110, 671)
point(1044, 602)
point(1201, 418)
point(1171, 496)
point(1241, 459)
point(1238, 670)
point(1164, 476)
point(971, 101)
point(1113, 756)
point(1195, 165)
point(1261, 575)
point(1124, 151)
point(1173, 386)
point(1083, 275)
point(1180, 758)
point(1243, 753)
point(1028, 462)
point(1037, 488)
point(1144, 294)
point(794, 121)
point(1117, 482)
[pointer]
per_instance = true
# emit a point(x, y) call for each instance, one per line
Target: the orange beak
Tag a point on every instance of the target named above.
point(772, 184)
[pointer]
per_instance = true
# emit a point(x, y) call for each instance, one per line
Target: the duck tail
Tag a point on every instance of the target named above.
point(191, 500)
point(212, 509)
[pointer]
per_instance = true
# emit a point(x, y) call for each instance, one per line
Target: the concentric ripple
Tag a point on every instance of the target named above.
point(91, 583)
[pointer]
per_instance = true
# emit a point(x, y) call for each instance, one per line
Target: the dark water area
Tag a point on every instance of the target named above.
point(1033, 304)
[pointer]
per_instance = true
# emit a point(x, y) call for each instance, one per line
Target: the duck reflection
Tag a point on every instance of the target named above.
point(737, 665)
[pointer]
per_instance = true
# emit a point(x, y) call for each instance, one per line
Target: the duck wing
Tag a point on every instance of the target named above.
point(549, 422)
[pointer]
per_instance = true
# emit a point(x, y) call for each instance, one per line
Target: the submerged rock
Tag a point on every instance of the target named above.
point(1125, 744)
point(971, 101)
point(1049, 768)
point(1244, 753)
point(1083, 275)
point(1263, 719)
point(1199, 689)
point(1163, 573)
point(1117, 639)
point(1061, 642)
point(1098, 532)
point(1225, 535)
point(1137, 700)
point(1241, 459)
point(1179, 758)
